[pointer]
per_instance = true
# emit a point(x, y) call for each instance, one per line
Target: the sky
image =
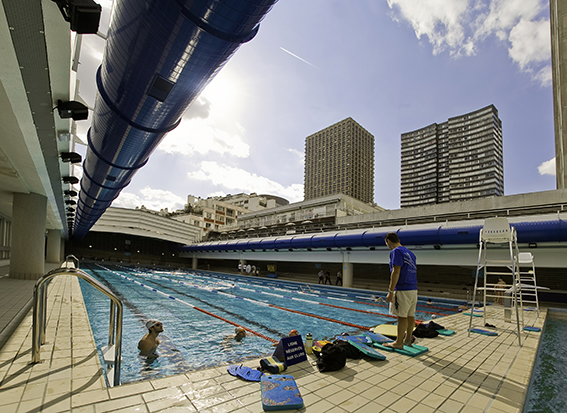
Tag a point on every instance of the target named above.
point(393, 66)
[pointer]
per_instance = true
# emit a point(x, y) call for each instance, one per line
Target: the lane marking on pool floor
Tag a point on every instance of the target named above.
point(190, 305)
point(346, 323)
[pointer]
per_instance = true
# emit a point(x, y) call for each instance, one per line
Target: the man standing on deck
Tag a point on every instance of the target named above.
point(402, 292)
point(150, 342)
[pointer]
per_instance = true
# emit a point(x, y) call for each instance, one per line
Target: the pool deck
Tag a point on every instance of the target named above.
point(458, 374)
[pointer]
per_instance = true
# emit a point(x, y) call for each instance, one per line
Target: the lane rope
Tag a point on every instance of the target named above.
point(190, 305)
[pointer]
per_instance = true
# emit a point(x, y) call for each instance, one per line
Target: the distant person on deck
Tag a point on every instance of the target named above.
point(321, 274)
point(339, 278)
point(150, 342)
point(402, 292)
point(328, 277)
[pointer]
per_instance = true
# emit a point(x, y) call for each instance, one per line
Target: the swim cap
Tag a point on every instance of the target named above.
point(293, 332)
point(239, 329)
point(151, 323)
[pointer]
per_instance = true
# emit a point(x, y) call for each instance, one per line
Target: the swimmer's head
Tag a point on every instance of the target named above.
point(240, 333)
point(293, 333)
point(152, 323)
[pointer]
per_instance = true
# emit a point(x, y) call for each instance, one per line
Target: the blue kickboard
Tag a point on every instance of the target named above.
point(378, 338)
point(446, 332)
point(474, 315)
point(536, 329)
point(484, 332)
point(363, 344)
point(412, 351)
point(280, 392)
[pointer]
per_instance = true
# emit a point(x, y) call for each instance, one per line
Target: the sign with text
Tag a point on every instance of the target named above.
point(290, 350)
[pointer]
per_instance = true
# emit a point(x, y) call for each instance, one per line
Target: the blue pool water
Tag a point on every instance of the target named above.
point(200, 309)
point(547, 391)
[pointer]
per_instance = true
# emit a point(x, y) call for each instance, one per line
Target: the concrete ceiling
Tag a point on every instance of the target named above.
point(35, 50)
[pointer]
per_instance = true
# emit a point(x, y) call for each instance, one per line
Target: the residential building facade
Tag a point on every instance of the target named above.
point(340, 159)
point(457, 160)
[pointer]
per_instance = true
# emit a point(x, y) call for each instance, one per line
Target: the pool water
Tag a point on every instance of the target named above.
point(547, 391)
point(199, 310)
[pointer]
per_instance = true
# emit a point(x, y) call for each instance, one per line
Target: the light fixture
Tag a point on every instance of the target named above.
point(70, 193)
point(71, 180)
point(70, 202)
point(84, 15)
point(72, 157)
point(72, 109)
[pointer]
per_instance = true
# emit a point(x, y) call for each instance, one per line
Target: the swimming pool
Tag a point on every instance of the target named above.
point(547, 391)
point(200, 310)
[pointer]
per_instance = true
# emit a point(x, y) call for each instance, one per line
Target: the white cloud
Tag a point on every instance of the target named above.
point(530, 43)
point(440, 21)
point(239, 180)
point(204, 137)
point(154, 199)
point(460, 26)
point(547, 168)
point(300, 155)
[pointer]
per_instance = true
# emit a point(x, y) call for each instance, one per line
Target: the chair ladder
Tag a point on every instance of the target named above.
point(526, 269)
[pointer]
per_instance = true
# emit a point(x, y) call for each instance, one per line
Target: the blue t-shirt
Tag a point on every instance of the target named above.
point(404, 258)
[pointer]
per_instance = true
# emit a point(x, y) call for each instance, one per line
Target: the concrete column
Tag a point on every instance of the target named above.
point(53, 246)
point(28, 236)
point(62, 251)
point(347, 274)
point(558, 23)
point(194, 263)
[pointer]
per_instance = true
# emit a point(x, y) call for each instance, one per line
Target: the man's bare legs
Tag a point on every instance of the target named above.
point(405, 330)
point(409, 330)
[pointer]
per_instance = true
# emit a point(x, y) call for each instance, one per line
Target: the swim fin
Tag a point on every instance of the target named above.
point(248, 374)
point(233, 369)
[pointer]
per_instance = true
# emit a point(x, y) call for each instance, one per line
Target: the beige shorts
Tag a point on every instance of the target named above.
point(404, 303)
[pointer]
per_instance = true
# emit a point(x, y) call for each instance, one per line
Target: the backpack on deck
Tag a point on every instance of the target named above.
point(351, 352)
point(331, 358)
point(423, 332)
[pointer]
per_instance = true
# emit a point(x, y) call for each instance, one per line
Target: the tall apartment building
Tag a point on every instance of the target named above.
point(453, 161)
point(340, 159)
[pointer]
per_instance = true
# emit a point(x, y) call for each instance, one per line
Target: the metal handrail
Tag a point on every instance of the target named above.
point(39, 314)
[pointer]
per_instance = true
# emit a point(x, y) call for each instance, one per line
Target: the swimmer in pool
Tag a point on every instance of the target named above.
point(292, 333)
point(150, 342)
point(239, 334)
point(379, 299)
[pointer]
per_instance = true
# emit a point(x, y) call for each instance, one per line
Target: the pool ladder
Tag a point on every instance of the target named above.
point(111, 353)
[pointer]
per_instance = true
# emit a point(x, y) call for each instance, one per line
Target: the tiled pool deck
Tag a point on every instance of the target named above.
point(459, 374)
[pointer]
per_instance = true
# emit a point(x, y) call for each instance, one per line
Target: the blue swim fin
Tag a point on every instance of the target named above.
point(233, 369)
point(248, 374)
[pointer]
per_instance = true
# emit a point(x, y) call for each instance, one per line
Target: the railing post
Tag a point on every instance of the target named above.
point(118, 347)
point(111, 323)
point(43, 298)
point(36, 328)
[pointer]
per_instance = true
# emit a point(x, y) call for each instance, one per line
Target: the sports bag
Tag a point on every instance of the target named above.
point(423, 332)
point(331, 358)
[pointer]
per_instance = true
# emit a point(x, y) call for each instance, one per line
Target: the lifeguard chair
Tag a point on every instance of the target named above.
point(494, 262)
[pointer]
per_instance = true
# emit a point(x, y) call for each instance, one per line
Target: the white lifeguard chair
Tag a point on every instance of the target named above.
point(495, 262)
point(526, 268)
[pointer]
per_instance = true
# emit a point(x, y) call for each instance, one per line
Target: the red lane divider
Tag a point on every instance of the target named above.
point(321, 317)
point(235, 324)
point(384, 305)
point(360, 311)
point(440, 308)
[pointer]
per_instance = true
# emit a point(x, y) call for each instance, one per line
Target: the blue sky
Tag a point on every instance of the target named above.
point(393, 66)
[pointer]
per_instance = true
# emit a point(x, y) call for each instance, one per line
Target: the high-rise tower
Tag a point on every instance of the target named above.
point(453, 161)
point(340, 159)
